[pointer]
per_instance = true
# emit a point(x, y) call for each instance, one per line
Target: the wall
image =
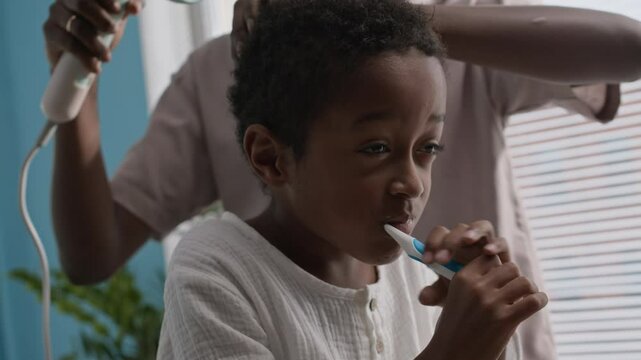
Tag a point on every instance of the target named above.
point(23, 77)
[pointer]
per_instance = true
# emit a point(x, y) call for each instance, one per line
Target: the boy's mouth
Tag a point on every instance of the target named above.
point(403, 223)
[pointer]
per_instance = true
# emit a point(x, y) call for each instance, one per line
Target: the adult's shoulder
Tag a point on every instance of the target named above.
point(213, 55)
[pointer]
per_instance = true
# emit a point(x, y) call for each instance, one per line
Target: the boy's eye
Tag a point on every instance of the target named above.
point(432, 148)
point(376, 148)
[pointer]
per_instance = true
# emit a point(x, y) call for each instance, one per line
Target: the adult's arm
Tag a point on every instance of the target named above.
point(558, 44)
point(94, 234)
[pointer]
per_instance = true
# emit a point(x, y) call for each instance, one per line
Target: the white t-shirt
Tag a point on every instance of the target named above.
point(231, 295)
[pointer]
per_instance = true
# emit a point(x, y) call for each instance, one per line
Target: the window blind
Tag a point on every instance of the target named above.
point(580, 183)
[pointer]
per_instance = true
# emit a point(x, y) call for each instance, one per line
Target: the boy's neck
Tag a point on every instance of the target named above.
point(311, 253)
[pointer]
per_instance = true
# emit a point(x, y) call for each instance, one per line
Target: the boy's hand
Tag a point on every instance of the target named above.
point(74, 26)
point(486, 301)
point(463, 243)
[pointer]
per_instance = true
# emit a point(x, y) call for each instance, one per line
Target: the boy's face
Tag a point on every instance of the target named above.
point(368, 157)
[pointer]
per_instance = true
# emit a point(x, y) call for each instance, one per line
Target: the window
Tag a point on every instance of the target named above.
point(580, 183)
point(219, 14)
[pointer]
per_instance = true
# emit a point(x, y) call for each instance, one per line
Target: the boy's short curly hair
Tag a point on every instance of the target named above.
point(301, 52)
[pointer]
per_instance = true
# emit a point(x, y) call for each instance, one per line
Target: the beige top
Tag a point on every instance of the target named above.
point(189, 158)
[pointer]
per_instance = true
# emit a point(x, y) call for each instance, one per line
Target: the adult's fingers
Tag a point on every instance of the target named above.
point(81, 30)
point(134, 7)
point(245, 14)
point(239, 28)
point(93, 12)
point(64, 41)
point(112, 6)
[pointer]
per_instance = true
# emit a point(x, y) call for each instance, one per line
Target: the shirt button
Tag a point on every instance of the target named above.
point(373, 304)
point(379, 346)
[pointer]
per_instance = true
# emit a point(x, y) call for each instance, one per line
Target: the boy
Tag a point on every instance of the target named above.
point(341, 108)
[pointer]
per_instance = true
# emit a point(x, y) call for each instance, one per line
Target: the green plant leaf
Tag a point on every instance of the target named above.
point(123, 326)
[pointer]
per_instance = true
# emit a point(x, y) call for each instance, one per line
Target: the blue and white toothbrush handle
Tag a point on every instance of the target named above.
point(447, 271)
point(415, 250)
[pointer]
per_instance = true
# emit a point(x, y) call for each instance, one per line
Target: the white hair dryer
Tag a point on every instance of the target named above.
point(71, 81)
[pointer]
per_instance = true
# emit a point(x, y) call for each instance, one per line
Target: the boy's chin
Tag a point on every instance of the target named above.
point(382, 258)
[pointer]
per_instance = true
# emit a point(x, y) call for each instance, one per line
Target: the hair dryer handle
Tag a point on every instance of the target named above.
point(67, 90)
point(69, 84)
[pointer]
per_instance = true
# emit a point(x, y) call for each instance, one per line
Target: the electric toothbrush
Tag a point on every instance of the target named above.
point(415, 250)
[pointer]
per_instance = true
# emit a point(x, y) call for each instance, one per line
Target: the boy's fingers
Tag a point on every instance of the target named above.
point(451, 243)
point(500, 276)
point(498, 246)
point(516, 289)
point(480, 266)
point(454, 239)
point(429, 296)
point(434, 294)
point(466, 243)
point(433, 243)
point(527, 306)
point(477, 231)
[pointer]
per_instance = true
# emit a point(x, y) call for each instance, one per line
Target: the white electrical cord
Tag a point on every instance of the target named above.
point(44, 137)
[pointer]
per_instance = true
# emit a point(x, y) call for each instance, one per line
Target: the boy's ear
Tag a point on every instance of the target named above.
point(267, 156)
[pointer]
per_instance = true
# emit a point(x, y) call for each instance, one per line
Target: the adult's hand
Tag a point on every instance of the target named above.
point(245, 13)
point(74, 26)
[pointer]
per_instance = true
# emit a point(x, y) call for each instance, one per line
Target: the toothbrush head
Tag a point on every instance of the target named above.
point(407, 242)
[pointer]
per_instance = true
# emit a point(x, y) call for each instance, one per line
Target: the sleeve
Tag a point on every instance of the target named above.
point(513, 349)
point(511, 93)
point(206, 317)
point(166, 177)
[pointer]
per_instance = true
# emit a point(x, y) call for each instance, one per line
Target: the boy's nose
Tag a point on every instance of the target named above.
point(407, 182)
